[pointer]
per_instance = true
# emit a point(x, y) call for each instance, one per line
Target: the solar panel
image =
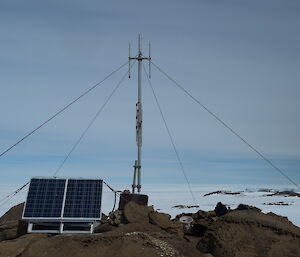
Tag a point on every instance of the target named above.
point(53, 198)
point(45, 198)
point(83, 199)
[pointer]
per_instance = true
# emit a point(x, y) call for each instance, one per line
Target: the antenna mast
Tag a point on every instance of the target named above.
point(139, 117)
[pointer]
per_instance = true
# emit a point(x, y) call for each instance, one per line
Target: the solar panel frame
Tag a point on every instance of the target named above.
point(61, 217)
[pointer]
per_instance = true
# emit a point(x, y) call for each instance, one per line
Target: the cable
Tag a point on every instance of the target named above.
point(60, 111)
point(10, 196)
point(119, 193)
point(115, 194)
point(171, 138)
point(91, 123)
point(227, 126)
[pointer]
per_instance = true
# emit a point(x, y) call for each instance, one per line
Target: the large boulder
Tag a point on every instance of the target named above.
point(14, 213)
point(164, 221)
point(220, 209)
point(11, 223)
point(251, 233)
point(160, 219)
point(8, 230)
point(135, 213)
point(243, 207)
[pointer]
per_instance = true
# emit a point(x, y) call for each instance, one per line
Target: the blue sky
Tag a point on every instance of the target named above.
point(239, 58)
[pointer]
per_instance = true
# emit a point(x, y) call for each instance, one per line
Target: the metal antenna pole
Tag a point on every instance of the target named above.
point(139, 114)
point(139, 120)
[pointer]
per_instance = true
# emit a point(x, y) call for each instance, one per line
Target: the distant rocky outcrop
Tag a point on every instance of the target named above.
point(284, 193)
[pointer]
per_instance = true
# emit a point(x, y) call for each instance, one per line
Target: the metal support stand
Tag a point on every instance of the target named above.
point(61, 227)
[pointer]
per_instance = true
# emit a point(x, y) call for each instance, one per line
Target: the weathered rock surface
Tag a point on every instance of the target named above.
point(251, 233)
point(11, 226)
point(135, 213)
point(160, 219)
point(221, 209)
point(15, 213)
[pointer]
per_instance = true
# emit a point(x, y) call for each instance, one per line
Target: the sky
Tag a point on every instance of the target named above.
point(239, 58)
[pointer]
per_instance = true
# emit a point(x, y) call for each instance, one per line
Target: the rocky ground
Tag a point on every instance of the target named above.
point(140, 231)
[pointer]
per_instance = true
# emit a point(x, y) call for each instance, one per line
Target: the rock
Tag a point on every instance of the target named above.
point(204, 215)
point(243, 207)
point(103, 228)
point(8, 230)
point(176, 231)
point(199, 229)
point(14, 213)
point(211, 214)
point(135, 213)
point(163, 221)
point(160, 219)
point(116, 217)
point(220, 209)
point(200, 215)
point(9, 224)
point(10, 234)
point(104, 217)
point(22, 228)
point(252, 234)
point(16, 247)
point(12, 229)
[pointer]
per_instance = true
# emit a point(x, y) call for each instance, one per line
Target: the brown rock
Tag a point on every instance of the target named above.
point(9, 224)
point(12, 229)
point(103, 217)
point(103, 228)
point(109, 244)
point(243, 207)
point(14, 213)
point(8, 230)
point(22, 228)
point(176, 229)
point(160, 219)
point(207, 255)
point(17, 247)
point(163, 221)
point(251, 233)
point(199, 229)
point(135, 213)
point(10, 234)
point(220, 209)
